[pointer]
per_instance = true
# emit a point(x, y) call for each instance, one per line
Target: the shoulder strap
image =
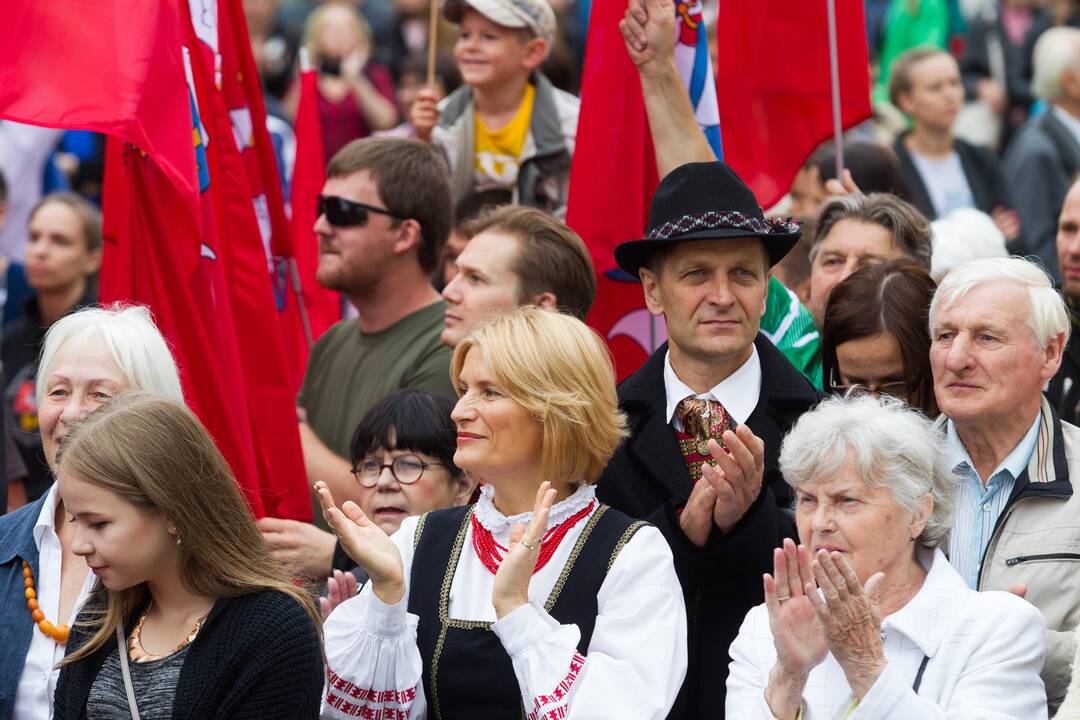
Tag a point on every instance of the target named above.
point(121, 650)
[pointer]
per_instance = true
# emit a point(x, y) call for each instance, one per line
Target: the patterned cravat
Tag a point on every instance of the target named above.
point(701, 420)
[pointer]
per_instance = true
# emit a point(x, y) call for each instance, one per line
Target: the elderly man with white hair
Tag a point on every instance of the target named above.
point(892, 632)
point(998, 329)
point(1044, 156)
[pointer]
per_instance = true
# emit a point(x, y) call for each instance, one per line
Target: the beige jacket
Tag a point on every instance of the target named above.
point(1037, 542)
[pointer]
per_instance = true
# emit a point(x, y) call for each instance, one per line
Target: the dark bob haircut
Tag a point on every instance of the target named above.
point(409, 420)
point(892, 297)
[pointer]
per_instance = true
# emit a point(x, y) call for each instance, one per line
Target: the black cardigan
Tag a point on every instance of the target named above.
point(257, 656)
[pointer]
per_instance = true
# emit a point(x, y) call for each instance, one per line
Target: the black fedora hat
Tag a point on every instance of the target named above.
point(705, 201)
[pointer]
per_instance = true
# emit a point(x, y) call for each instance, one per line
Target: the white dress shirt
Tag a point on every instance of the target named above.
point(34, 694)
point(636, 659)
point(985, 651)
point(738, 392)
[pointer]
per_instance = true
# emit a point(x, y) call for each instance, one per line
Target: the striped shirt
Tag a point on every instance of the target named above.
point(978, 506)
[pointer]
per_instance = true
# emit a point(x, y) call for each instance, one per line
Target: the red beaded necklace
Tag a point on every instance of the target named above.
point(491, 553)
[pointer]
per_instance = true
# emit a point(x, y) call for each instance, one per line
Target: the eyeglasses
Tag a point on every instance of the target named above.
point(406, 469)
point(340, 212)
point(899, 389)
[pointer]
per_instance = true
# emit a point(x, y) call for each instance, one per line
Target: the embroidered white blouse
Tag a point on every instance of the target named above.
point(636, 660)
point(985, 653)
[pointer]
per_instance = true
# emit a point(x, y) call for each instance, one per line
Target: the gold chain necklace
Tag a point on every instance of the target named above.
point(135, 648)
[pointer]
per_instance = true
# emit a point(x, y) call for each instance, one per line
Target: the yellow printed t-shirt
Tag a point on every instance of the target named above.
point(498, 151)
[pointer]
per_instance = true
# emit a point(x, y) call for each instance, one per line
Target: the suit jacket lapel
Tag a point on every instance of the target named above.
point(656, 447)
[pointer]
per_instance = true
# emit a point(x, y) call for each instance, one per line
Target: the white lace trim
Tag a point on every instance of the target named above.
point(499, 525)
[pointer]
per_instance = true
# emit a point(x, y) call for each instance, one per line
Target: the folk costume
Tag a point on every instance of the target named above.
point(603, 634)
point(653, 472)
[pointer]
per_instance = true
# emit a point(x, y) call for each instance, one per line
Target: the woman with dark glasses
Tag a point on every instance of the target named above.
point(403, 460)
point(875, 338)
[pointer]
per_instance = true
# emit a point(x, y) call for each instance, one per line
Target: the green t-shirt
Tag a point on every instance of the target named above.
point(349, 371)
point(791, 328)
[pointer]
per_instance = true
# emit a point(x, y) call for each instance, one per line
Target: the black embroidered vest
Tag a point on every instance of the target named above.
point(467, 673)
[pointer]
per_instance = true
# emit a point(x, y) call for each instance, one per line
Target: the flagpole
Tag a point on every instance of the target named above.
point(433, 25)
point(834, 76)
point(294, 272)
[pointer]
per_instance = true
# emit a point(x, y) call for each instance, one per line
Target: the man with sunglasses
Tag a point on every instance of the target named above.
point(384, 215)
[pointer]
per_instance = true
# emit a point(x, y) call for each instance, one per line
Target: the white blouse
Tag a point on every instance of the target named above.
point(636, 660)
point(985, 651)
point(34, 694)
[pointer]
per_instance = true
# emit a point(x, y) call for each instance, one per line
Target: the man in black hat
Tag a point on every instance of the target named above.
point(708, 410)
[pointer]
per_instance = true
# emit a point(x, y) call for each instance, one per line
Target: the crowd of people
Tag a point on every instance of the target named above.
point(841, 488)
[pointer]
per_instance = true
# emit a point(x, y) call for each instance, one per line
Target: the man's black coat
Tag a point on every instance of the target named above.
point(648, 478)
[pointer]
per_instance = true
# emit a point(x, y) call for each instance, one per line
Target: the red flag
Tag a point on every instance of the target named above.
point(614, 152)
point(323, 306)
point(774, 88)
point(152, 257)
point(99, 66)
point(247, 199)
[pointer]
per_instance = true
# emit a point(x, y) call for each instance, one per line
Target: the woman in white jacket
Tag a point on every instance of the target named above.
point(867, 619)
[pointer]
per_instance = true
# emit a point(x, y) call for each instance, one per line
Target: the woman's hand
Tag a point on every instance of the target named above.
point(366, 544)
point(850, 617)
point(511, 589)
point(797, 634)
point(339, 587)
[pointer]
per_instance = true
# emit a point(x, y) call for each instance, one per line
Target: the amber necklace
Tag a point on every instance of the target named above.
point(59, 633)
point(135, 648)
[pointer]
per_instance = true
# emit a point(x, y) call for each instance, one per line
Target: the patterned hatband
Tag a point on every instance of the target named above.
point(727, 220)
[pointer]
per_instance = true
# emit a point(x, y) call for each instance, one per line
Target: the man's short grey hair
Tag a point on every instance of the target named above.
point(1056, 51)
point(1048, 316)
point(909, 228)
point(889, 445)
point(134, 342)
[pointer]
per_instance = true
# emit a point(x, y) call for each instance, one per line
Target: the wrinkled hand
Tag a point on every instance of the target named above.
point(737, 475)
point(367, 544)
point(511, 589)
point(1007, 221)
point(648, 29)
point(300, 545)
point(696, 519)
point(850, 616)
point(796, 630)
point(339, 587)
point(424, 113)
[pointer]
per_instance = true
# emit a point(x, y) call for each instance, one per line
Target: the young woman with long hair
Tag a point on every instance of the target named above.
point(192, 616)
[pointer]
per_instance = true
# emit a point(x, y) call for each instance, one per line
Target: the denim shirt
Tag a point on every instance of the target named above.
point(16, 627)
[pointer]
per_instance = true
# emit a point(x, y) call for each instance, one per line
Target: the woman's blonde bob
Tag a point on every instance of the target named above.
point(559, 370)
point(152, 452)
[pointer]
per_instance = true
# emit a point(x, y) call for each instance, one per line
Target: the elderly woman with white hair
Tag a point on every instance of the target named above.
point(88, 357)
point(867, 618)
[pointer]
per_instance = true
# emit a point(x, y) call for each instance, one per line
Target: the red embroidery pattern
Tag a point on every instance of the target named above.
point(366, 703)
point(491, 553)
point(559, 697)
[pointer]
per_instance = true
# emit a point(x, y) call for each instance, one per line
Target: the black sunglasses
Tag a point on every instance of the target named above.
point(340, 212)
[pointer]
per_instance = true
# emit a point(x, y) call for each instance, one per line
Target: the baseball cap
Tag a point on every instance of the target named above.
point(536, 15)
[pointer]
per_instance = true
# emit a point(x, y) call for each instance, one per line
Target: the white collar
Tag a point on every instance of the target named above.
point(1015, 462)
point(498, 524)
point(1071, 122)
point(927, 615)
point(738, 392)
point(47, 517)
